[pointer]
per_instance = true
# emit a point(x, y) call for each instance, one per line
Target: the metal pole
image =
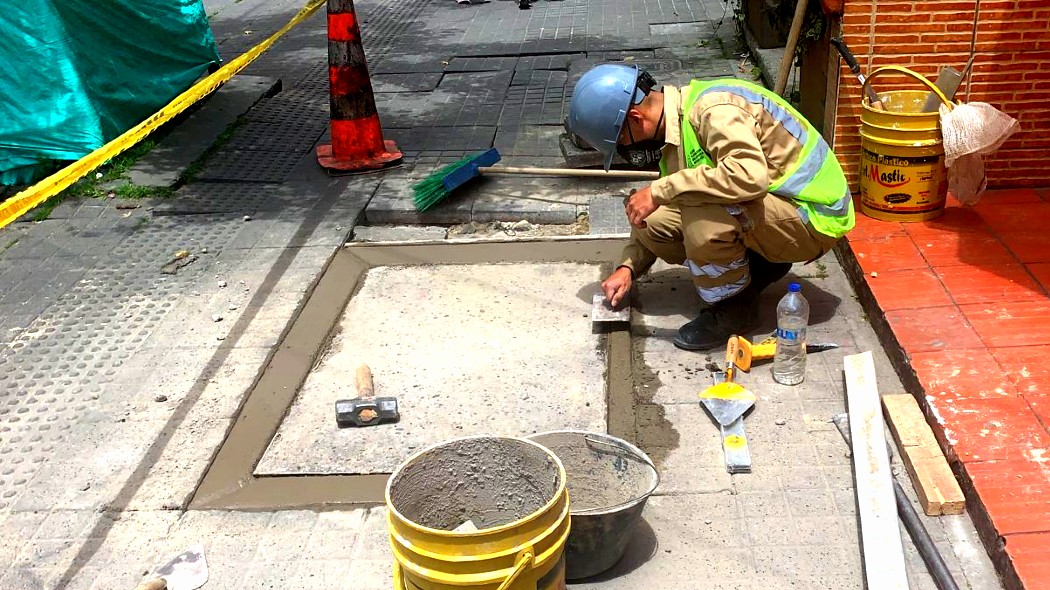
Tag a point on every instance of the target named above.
point(942, 577)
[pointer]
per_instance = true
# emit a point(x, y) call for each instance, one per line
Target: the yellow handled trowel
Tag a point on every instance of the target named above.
point(727, 402)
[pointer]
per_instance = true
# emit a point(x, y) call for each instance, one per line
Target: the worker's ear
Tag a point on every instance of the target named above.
point(635, 114)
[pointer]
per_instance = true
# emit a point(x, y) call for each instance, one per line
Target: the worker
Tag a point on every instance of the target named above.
point(747, 187)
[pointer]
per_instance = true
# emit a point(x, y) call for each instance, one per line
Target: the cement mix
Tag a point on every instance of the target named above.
point(466, 349)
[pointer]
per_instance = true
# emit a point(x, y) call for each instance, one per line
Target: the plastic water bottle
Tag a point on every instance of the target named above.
point(789, 364)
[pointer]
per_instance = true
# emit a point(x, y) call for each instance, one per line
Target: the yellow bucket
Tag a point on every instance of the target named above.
point(902, 172)
point(488, 513)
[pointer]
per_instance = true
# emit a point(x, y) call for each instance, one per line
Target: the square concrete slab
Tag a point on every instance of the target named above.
point(465, 349)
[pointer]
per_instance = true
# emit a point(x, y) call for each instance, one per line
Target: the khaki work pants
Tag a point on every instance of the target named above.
point(711, 240)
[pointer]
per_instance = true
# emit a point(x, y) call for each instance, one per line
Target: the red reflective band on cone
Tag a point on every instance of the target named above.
point(342, 26)
point(357, 138)
point(344, 80)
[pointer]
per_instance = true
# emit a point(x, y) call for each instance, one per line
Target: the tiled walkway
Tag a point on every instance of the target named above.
point(966, 299)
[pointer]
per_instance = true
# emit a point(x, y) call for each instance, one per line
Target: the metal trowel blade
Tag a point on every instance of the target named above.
point(601, 311)
point(727, 401)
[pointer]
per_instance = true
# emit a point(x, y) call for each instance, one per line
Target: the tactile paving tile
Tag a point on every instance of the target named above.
point(218, 197)
point(289, 107)
point(53, 372)
point(385, 21)
point(250, 166)
point(314, 80)
point(285, 136)
point(155, 243)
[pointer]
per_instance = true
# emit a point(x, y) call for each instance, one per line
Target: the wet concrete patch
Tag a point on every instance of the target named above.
point(231, 482)
point(466, 349)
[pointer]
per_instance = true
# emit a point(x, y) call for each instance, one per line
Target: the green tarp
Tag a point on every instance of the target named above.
point(78, 73)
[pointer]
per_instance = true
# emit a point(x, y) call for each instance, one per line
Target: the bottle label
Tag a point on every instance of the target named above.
point(787, 334)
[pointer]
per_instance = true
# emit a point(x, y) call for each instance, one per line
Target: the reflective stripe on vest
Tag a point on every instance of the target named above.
point(814, 181)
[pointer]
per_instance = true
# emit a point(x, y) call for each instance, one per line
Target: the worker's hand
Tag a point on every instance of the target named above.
point(639, 206)
point(617, 285)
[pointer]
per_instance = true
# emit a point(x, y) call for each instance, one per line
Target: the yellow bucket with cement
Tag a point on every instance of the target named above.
point(486, 513)
point(902, 172)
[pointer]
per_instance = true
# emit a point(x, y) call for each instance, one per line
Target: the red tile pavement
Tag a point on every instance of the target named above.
point(932, 328)
point(978, 285)
point(1030, 558)
point(966, 296)
point(909, 289)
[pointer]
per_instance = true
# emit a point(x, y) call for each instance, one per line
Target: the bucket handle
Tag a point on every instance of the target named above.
point(913, 74)
point(523, 561)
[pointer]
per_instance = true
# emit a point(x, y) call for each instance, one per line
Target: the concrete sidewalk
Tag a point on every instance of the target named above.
point(120, 382)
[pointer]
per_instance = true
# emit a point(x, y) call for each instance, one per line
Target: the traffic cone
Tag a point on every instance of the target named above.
point(357, 136)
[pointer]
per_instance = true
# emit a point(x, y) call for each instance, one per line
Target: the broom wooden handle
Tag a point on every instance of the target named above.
point(639, 174)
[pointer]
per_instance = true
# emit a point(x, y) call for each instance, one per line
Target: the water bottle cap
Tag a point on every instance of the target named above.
point(794, 288)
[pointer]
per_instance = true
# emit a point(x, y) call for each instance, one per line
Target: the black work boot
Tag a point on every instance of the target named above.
point(715, 324)
point(736, 315)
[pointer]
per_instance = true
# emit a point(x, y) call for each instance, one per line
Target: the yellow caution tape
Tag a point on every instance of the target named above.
point(18, 205)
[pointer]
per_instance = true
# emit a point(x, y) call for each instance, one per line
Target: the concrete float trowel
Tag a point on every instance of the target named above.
point(727, 402)
point(604, 313)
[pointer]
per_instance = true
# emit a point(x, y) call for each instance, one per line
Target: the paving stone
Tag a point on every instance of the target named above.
point(607, 216)
point(685, 446)
point(418, 82)
point(537, 200)
point(163, 165)
point(457, 138)
point(399, 233)
point(481, 64)
point(393, 205)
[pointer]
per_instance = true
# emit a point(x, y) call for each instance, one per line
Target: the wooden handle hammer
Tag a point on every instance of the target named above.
point(366, 410)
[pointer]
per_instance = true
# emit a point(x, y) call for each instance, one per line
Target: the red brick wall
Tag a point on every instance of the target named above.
point(1011, 70)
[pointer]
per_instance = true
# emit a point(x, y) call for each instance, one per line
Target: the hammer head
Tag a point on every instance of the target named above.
point(366, 411)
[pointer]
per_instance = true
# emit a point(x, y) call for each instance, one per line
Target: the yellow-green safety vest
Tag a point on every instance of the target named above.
point(814, 182)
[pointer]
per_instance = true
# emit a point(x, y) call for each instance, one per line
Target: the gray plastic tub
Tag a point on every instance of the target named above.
point(609, 482)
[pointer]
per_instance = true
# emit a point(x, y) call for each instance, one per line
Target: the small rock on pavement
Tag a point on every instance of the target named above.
point(247, 217)
point(780, 422)
point(216, 318)
point(222, 284)
point(161, 398)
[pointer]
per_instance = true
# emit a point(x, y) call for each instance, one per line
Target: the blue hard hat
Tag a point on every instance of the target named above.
point(600, 103)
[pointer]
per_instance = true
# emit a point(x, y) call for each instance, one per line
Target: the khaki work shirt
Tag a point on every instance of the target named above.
point(750, 150)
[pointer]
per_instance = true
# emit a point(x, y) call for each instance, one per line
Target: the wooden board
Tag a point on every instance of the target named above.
point(935, 484)
point(880, 536)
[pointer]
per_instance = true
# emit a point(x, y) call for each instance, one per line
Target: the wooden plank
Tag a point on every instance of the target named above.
point(935, 484)
point(880, 536)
